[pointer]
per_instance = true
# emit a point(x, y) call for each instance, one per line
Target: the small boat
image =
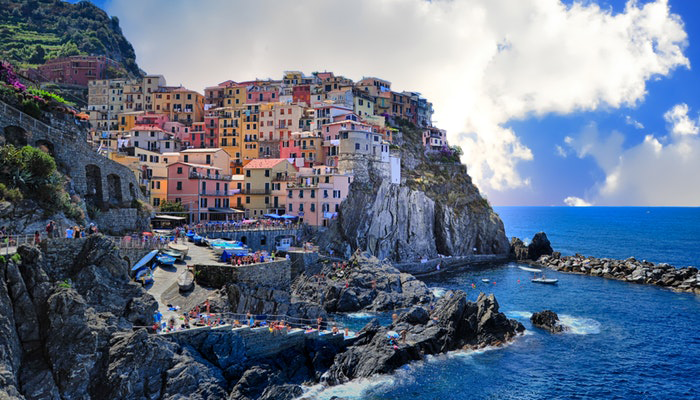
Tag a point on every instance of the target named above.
point(165, 259)
point(190, 235)
point(185, 281)
point(530, 269)
point(549, 281)
point(144, 263)
point(173, 253)
point(182, 248)
point(144, 275)
point(231, 247)
point(198, 240)
point(485, 280)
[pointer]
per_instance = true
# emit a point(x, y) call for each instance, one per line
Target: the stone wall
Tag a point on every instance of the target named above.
point(119, 220)
point(96, 179)
point(276, 274)
point(252, 343)
point(304, 261)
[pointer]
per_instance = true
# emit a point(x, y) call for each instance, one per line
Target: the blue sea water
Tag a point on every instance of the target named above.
point(627, 341)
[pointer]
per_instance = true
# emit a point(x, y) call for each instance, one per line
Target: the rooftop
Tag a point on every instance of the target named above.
point(263, 163)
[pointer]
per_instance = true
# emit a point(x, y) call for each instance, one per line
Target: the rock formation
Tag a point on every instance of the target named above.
point(539, 246)
point(549, 321)
point(436, 210)
point(364, 283)
point(685, 279)
point(453, 324)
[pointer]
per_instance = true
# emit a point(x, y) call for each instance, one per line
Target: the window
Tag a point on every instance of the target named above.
point(291, 208)
point(247, 173)
point(247, 199)
point(179, 186)
point(301, 194)
point(179, 170)
point(301, 207)
point(325, 194)
point(267, 173)
point(203, 202)
point(313, 194)
point(267, 200)
point(313, 207)
point(156, 202)
point(357, 146)
point(178, 200)
point(289, 194)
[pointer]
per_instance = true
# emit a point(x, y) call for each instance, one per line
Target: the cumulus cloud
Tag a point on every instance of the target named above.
point(655, 172)
point(481, 62)
point(631, 121)
point(560, 151)
point(573, 201)
point(681, 124)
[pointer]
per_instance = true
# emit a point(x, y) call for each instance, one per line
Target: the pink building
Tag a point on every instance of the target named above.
point(316, 195)
point(203, 191)
point(77, 70)
point(262, 94)
point(204, 134)
point(158, 120)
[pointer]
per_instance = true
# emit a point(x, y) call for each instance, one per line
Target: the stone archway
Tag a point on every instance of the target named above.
point(114, 189)
point(263, 240)
point(16, 136)
point(93, 185)
point(45, 146)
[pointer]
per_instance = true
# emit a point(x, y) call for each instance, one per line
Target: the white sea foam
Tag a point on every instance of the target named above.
point(361, 315)
point(438, 291)
point(580, 325)
point(518, 314)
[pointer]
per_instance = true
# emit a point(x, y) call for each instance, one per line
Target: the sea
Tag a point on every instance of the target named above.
point(627, 341)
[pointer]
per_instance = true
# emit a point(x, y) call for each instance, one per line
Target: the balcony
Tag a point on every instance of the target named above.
point(196, 175)
point(255, 191)
point(229, 192)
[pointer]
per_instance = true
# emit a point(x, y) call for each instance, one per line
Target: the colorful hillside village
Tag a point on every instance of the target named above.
point(243, 150)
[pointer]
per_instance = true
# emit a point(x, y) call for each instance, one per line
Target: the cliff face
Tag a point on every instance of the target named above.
point(436, 210)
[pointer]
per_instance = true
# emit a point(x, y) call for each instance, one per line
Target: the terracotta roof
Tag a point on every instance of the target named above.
point(263, 163)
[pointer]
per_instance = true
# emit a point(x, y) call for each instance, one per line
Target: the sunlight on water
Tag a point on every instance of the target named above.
point(361, 315)
point(438, 291)
point(518, 314)
point(580, 326)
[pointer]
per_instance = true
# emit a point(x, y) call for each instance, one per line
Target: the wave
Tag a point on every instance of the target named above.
point(359, 388)
point(361, 315)
point(518, 314)
point(438, 291)
point(580, 325)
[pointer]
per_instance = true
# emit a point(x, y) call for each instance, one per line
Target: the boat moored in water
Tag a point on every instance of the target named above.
point(549, 281)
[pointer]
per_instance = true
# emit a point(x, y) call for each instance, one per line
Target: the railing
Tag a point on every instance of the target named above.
point(27, 121)
point(272, 225)
point(255, 191)
point(229, 192)
point(273, 322)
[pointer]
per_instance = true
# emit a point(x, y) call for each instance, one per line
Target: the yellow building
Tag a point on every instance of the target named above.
point(229, 132)
point(127, 120)
point(179, 104)
point(235, 95)
point(258, 179)
point(249, 130)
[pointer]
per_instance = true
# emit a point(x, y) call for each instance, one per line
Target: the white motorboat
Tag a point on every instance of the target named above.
point(549, 281)
point(530, 269)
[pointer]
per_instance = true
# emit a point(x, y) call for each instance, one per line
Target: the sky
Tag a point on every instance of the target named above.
point(553, 102)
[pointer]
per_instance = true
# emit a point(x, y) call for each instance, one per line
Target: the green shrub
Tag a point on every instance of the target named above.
point(65, 284)
point(49, 96)
point(11, 195)
point(16, 258)
point(31, 108)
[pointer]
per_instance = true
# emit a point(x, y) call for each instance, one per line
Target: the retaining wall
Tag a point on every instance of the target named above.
point(275, 274)
point(263, 239)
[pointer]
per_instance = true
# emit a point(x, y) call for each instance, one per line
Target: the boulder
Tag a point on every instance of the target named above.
point(549, 321)
point(539, 246)
point(454, 324)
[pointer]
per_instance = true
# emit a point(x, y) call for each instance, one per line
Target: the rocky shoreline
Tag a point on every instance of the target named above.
point(686, 279)
point(539, 253)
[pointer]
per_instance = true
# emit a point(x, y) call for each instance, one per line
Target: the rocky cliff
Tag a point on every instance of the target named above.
point(436, 210)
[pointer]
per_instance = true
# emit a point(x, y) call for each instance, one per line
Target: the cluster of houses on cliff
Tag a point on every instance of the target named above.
point(247, 149)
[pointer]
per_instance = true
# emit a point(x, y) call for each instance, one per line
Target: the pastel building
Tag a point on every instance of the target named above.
point(77, 70)
point(259, 176)
point(215, 157)
point(316, 194)
point(306, 146)
point(203, 190)
point(151, 137)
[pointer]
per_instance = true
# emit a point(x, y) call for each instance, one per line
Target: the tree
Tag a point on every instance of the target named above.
point(171, 206)
point(68, 49)
point(38, 55)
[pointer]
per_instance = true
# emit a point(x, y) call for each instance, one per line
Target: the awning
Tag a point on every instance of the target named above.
point(225, 210)
point(287, 216)
point(169, 217)
point(273, 216)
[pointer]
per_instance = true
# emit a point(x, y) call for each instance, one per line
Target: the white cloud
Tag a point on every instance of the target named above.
point(573, 201)
point(681, 124)
point(560, 151)
point(631, 121)
point(481, 62)
point(651, 173)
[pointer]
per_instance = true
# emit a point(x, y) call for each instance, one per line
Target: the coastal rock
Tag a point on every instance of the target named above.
point(549, 321)
point(364, 283)
point(455, 324)
point(539, 246)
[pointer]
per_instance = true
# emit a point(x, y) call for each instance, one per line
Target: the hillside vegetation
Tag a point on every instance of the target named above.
point(33, 31)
